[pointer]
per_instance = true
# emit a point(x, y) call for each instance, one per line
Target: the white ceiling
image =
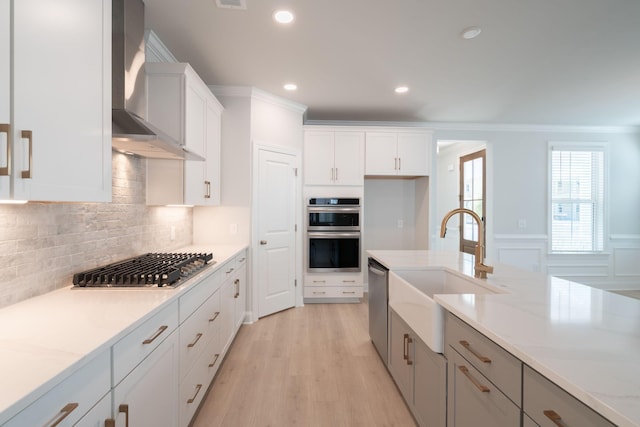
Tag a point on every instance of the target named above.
point(567, 62)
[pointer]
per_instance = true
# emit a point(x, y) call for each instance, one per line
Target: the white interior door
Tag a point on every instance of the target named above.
point(276, 232)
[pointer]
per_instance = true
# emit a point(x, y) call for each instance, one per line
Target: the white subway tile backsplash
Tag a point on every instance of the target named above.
point(43, 244)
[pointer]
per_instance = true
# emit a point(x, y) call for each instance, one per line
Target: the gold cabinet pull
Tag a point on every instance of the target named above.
point(236, 283)
point(6, 170)
point(242, 259)
point(193, 399)
point(348, 281)
point(124, 409)
point(27, 134)
point(64, 413)
point(405, 350)
point(231, 269)
point(475, 382)
point(195, 341)
point(399, 163)
point(348, 292)
point(215, 316)
point(554, 417)
point(319, 281)
point(160, 330)
point(215, 359)
point(483, 359)
point(207, 194)
point(319, 292)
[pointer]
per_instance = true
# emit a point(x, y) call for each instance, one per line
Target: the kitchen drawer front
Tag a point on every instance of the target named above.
point(228, 269)
point(132, 349)
point(473, 400)
point(241, 259)
point(542, 400)
point(502, 368)
point(333, 280)
point(194, 385)
point(197, 331)
point(68, 401)
point(333, 291)
point(199, 293)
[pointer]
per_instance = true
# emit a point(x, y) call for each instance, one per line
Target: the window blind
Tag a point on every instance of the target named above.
point(577, 200)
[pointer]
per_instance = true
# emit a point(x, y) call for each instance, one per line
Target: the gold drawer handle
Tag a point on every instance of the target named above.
point(124, 409)
point(554, 417)
point(483, 359)
point(215, 316)
point(27, 134)
point(159, 332)
point(6, 170)
point(236, 283)
point(319, 281)
point(215, 359)
point(349, 292)
point(207, 193)
point(193, 399)
point(198, 336)
point(475, 382)
point(348, 281)
point(64, 413)
point(319, 292)
point(407, 341)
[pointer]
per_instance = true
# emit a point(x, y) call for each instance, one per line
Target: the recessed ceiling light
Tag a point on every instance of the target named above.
point(290, 86)
point(283, 16)
point(402, 89)
point(471, 33)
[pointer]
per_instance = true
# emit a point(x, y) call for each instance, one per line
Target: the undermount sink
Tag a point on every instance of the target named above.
point(411, 296)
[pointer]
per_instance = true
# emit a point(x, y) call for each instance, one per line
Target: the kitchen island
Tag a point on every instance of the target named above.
point(585, 340)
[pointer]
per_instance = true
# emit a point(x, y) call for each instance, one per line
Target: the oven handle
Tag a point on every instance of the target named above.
point(333, 235)
point(312, 209)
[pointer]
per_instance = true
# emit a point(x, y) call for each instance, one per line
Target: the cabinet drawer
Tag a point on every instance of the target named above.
point(334, 280)
point(132, 349)
point(499, 366)
point(544, 401)
point(241, 259)
point(68, 401)
point(473, 400)
point(333, 291)
point(197, 331)
point(199, 293)
point(194, 385)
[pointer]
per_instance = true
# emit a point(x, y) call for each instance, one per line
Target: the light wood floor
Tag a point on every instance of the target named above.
point(308, 366)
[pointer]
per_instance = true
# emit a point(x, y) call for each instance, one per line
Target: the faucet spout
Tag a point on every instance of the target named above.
point(480, 269)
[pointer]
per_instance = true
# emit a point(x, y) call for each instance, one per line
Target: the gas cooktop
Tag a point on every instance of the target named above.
point(149, 270)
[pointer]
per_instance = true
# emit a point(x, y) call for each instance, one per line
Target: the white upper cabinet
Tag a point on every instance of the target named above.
point(5, 91)
point(185, 108)
point(60, 136)
point(402, 153)
point(333, 158)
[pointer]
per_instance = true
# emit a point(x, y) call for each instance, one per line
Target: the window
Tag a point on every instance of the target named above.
point(577, 198)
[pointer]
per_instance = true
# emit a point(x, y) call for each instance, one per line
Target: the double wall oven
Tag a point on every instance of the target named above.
point(333, 235)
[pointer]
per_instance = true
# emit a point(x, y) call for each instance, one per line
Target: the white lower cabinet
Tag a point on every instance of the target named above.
point(419, 373)
point(98, 415)
point(334, 286)
point(66, 403)
point(147, 396)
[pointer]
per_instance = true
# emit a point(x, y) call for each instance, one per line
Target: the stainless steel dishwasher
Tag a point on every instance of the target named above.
point(378, 303)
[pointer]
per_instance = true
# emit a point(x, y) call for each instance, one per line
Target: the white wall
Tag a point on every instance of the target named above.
point(517, 162)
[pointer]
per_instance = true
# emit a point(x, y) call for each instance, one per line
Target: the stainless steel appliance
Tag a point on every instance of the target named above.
point(378, 306)
point(150, 270)
point(333, 235)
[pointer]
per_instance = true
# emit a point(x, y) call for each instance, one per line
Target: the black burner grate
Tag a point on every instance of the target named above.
point(152, 269)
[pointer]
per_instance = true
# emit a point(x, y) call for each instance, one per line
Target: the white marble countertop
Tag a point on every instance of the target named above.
point(46, 338)
point(584, 339)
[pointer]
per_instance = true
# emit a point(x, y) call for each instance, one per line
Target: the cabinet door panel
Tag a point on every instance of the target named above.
point(381, 153)
point(150, 391)
point(349, 158)
point(430, 388)
point(414, 154)
point(5, 113)
point(469, 405)
point(400, 355)
point(61, 82)
point(318, 158)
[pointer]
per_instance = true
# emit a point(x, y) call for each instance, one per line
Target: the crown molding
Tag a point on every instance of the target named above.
point(156, 48)
point(258, 94)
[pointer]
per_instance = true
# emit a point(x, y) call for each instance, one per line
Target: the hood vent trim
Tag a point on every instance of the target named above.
point(131, 133)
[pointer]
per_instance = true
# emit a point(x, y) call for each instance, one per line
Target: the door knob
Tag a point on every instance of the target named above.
point(263, 242)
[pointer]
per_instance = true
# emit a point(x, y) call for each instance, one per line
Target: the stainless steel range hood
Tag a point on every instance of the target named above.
point(131, 133)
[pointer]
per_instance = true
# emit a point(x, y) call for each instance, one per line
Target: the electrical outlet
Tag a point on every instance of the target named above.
point(400, 223)
point(522, 223)
point(233, 228)
point(173, 232)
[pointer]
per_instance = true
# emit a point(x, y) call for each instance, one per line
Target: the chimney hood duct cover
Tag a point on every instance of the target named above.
point(130, 132)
